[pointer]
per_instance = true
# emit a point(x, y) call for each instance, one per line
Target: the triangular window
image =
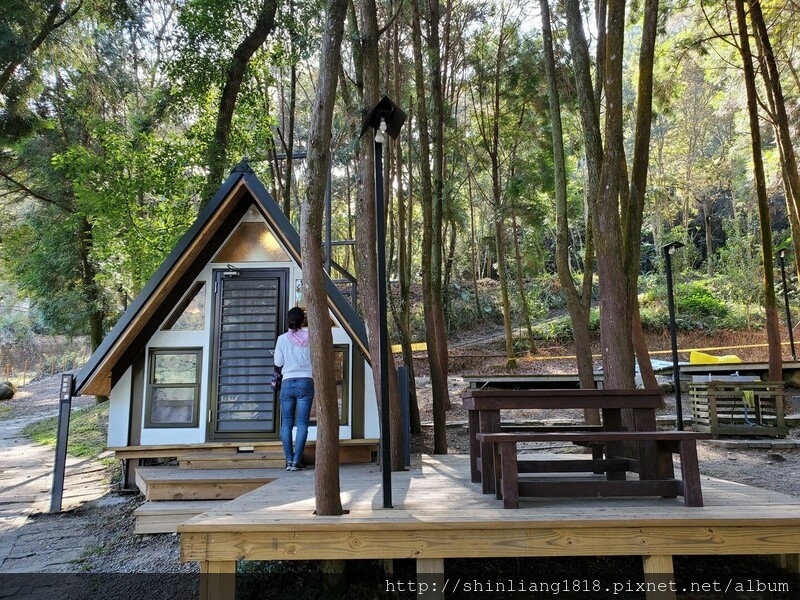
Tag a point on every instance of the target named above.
point(190, 314)
point(251, 242)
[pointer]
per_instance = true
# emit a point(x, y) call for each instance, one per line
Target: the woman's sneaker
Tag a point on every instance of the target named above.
point(298, 466)
point(290, 466)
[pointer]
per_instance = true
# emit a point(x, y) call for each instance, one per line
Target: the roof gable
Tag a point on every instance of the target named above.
point(179, 270)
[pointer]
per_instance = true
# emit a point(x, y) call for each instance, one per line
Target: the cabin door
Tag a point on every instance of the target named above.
point(249, 313)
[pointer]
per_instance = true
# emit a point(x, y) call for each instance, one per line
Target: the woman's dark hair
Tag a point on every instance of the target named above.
point(296, 318)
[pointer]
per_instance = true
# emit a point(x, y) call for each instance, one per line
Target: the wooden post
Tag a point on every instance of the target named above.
point(60, 463)
point(659, 577)
point(218, 580)
point(430, 578)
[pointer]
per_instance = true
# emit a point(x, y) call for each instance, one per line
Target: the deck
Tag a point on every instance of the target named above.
point(438, 513)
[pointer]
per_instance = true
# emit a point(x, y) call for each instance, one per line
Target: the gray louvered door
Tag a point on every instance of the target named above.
point(249, 307)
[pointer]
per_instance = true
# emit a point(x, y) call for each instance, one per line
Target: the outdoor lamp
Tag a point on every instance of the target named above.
point(385, 117)
point(669, 249)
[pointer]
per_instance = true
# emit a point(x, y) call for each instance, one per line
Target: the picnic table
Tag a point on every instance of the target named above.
point(617, 447)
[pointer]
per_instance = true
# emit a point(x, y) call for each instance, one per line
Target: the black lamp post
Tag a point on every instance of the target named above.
point(781, 256)
point(676, 375)
point(385, 117)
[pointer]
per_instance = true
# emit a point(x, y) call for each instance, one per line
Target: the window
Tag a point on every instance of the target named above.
point(190, 313)
point(341, 368)
point(173, 388)
point(251, 242)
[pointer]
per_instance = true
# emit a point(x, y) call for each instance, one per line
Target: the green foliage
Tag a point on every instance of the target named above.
point(43, 255)
point(695, 299)
point(16, 331)
point(740, 261)
point(87, 431)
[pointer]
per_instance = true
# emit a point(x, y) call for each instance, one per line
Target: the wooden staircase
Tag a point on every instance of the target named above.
point(208, 475)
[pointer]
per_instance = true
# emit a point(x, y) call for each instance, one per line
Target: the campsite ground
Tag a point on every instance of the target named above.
point(107, 525)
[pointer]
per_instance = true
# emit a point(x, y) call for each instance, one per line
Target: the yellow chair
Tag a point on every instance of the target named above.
point(701, 358)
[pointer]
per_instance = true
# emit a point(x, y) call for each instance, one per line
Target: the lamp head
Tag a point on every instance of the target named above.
point(385, 117)
point(672, 246)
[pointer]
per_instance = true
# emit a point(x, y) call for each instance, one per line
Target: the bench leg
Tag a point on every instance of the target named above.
point(497, 473)
point(690, 474)
point(489, 422)
point(597, 454)
point(474, 447)
point(510, 482)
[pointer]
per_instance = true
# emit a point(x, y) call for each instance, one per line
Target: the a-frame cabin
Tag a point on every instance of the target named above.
point(188, 365)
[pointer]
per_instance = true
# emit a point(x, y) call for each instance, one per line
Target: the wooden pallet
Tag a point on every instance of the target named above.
point(719, 407)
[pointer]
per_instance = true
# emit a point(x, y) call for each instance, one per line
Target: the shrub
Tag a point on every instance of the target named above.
point(697, 300)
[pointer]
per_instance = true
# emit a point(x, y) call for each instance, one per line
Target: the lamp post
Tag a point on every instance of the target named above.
point(673, 334)
point(385, 117)
point(781, 256)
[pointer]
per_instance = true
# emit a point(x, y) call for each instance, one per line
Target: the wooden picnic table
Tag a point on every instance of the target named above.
point(617, 448)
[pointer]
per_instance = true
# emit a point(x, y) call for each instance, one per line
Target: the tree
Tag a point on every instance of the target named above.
point(326, 476)
point(234, 77)
point(770, 304)
point(25, 27)
point(780, 119)
point(503, 115)
point(105, 195)
point(578, 302)
point(369, 78)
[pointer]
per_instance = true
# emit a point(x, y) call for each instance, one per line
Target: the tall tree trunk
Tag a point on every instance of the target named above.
point(634, 207)
point(770, 304)
point(440, 294)
point(431, 301)
point(404, 213)
point(289, 149)
point(366, 234)
point(499, 226)
point(616, 315)
point(523, 297)
point(578, 306)
point(216, 156)
point(772, 81)
point(326, 473)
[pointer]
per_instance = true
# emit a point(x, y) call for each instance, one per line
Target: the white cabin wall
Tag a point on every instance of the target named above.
point(372, 424)
point(121, 394)
point(119, 411)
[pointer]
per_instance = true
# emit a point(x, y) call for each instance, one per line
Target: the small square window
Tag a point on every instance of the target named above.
point(173, 388)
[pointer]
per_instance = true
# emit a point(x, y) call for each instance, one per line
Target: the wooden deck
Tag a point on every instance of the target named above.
point(438, 513)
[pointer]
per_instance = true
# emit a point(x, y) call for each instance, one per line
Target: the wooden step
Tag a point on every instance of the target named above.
point(350, 451)
point(165, 516)
point(172, 483)
point(232, 460)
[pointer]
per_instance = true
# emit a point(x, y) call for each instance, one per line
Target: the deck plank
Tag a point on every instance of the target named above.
point(439, 513)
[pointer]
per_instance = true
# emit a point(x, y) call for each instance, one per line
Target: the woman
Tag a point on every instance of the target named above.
point(293, 355)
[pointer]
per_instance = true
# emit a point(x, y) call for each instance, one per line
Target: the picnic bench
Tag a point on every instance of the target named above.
point(507, 466)
point(617, 447)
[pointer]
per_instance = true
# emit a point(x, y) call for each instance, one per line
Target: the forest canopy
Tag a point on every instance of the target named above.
point(119, 118)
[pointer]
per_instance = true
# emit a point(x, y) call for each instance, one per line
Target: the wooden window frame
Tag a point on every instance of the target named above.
point(151, 386)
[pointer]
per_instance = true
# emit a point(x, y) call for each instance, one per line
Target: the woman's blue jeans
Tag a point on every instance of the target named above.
point(297, 395)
